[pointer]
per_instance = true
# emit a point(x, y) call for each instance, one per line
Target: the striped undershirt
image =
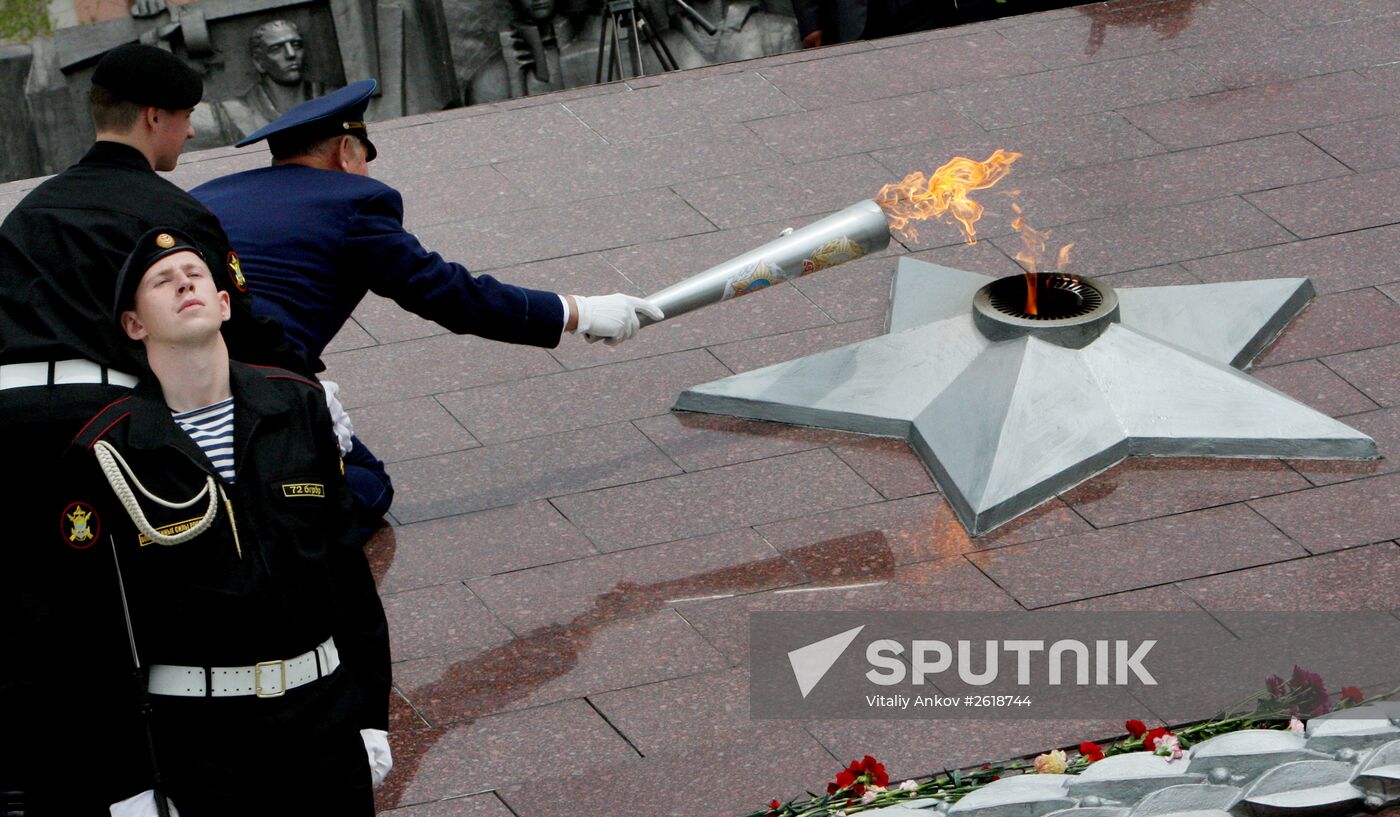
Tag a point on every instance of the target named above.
point(211, 428)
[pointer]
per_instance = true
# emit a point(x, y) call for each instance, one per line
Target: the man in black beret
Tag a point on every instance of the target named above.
point(60, 250)
point(264, 652)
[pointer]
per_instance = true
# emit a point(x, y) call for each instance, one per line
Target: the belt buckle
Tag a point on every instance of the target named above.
point(257, 678)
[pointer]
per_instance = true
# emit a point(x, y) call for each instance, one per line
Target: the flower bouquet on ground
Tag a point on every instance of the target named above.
point(864, 785)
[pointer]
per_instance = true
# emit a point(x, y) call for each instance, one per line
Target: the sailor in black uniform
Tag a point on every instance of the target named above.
point(205, 522)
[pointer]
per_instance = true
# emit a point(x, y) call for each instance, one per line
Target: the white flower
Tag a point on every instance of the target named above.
point(869, 796)
point(1296, 726)
point(1169, 747)
point(908, 785)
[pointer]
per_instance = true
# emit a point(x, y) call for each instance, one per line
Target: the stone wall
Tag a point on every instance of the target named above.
point(19, 154)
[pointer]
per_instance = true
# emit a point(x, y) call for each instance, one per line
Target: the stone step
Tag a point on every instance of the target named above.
point(1304, 787)
point(1187, 798)
point(1129, 777)
point(1027, 795)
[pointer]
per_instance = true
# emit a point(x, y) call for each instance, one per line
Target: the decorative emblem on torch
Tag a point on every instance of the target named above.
point(838, 251)
point(753, 278)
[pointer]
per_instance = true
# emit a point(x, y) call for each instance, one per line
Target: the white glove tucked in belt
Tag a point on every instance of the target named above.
point(141, 805)
point(381, 760)
point(343, 428)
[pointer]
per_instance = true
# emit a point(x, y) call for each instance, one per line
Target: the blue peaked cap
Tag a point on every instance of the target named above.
point(338, 113)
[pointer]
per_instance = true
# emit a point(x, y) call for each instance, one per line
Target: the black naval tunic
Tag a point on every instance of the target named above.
point(290, 576)
point(60, 250)
point(61, 247)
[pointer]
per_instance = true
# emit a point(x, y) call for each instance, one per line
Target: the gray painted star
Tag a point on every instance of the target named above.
point(1005, 425)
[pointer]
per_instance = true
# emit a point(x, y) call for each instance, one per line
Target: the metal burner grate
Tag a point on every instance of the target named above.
point(1070, 310)
point(1058, 297)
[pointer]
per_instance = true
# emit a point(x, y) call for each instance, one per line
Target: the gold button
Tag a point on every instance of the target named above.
point(165, 241)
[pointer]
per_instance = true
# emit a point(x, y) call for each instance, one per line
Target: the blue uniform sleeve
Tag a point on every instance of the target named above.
point(399, 268)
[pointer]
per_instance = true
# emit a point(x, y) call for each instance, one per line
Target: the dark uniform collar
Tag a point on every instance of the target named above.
point(116, 153)
point(254, 398)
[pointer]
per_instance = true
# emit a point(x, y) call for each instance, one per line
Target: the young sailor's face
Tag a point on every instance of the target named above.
point(176, 301)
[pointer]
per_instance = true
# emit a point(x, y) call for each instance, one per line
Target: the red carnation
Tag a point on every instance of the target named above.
point(1136, 728)
point(1090, 751)
point(876, 771)
point(773, 807)
point(861, 773)
point(1149, 740)
point(1352, 694)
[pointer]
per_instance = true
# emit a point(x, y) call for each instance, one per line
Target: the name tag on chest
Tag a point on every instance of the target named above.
point(314, 489)
point(168, 530)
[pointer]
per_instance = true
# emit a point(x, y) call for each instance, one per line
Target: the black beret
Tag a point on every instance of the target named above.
point(150, 248)
point(148, 75)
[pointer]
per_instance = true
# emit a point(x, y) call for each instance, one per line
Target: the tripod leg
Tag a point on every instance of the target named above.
point(615, 63)
point(602, 44)
point(637, 69)
point(658, 45)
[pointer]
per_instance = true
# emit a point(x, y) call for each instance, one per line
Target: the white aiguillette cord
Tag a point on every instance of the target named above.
point(112, 467)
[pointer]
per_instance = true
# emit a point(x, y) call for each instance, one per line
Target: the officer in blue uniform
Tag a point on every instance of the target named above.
point(314, 234)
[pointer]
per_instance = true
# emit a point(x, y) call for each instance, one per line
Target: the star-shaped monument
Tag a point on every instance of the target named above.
point(1006, 412)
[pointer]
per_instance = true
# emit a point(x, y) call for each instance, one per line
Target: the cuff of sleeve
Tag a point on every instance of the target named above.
point(546, 315)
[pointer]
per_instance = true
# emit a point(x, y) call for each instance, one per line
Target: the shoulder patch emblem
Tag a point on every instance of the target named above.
point(79, 525)
point(235, 271)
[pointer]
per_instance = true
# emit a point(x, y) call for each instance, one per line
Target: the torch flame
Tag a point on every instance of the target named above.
point(918, 198)
point(1032, 251)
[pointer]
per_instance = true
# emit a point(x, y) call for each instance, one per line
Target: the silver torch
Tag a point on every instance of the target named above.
point(858, 230)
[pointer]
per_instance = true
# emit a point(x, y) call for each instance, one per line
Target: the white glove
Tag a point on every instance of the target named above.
point(381, 760)
point(612, 318)
point(141, 805)
point(344, 430)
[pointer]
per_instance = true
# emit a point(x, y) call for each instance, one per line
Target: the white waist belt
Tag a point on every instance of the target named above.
point(266, 679)
point(60, 373)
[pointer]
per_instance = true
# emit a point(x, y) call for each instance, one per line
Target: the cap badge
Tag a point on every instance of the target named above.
point(235, 271)
point(79, 525)
point(165, 241)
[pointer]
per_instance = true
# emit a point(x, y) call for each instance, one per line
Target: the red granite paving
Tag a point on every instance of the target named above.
point(1311, 382)
point(572, 566)
point(477, 805)
point(1381, 425)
